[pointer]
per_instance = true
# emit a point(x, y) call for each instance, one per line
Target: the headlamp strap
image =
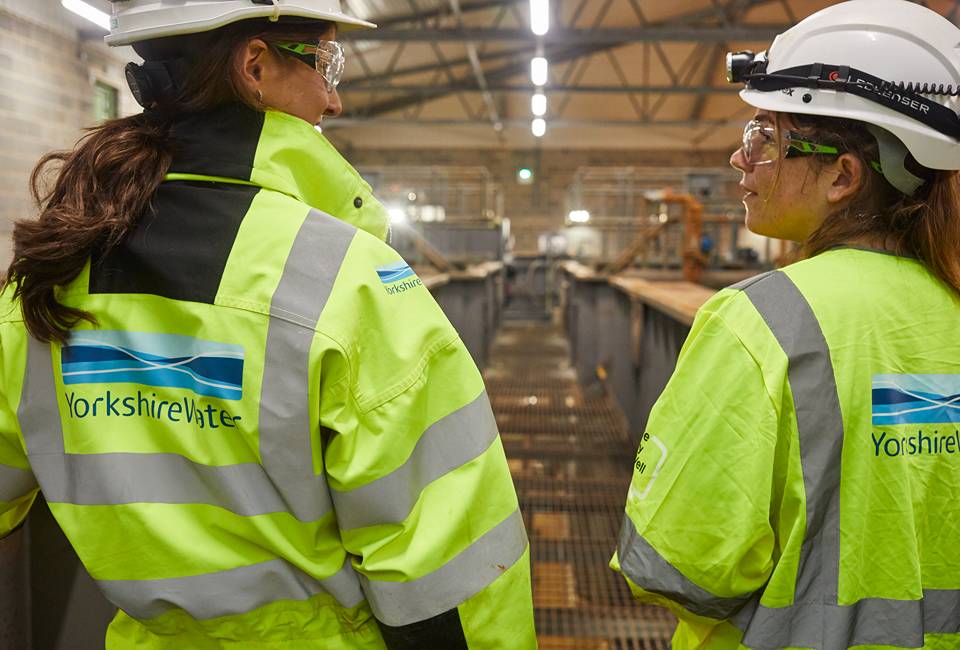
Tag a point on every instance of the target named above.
point(900, 97)
point(843, 73)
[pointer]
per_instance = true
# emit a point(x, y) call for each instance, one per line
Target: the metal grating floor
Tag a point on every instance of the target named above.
point(570, 456)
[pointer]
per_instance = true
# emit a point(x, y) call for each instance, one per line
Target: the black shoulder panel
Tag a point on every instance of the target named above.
point(221, 142)
point(179, 250)
point(442, 632)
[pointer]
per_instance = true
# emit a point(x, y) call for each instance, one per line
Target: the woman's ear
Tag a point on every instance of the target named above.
point(253, 58)
point(848, 178)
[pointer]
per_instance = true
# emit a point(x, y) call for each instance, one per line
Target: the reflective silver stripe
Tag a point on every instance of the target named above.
point(816, 620)
point(37, 412)
point(15, 482)
point(402, 603)
point(229, 592)
point(640, 562)
point(820, 426)
point(285, 427)
point(872, 621)
point(114, 479)
point(446, 445)
point(746, 282)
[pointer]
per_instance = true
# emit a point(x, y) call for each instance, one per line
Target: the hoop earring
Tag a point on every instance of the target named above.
point(260, 96)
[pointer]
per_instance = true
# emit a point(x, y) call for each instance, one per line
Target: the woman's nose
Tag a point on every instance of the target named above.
point(739, 161)
point(334, 106)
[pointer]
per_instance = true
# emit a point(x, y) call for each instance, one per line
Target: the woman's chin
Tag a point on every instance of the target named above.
point(757, 225)
point(751, 220)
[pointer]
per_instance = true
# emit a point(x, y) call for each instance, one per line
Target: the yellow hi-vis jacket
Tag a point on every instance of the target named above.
point(798, 482)
point(274, 438)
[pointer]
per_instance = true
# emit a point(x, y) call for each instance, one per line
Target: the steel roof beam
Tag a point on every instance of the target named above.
point(530, 47)
point(445, 11)
point(344, 122)
point(606, 36)
point(478, 73)
point(556, 55)
point(440, 11)
point(556, 88)
point(433, 65)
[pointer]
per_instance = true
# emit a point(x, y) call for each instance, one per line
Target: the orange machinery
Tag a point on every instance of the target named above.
point(692, 222)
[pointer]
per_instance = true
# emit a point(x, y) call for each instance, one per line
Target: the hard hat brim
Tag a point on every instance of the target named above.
point(205, 24)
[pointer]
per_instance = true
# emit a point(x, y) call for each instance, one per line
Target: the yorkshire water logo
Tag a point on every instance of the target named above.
point(916, 399)
point(207, 368)
point(398, 277)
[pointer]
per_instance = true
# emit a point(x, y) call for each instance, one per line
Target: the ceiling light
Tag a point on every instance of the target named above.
point(579, 216)
point(539, 127)
point(397, 215)
point(99, 18)
point(538, 71)
point(538, 104)
point(539, 16)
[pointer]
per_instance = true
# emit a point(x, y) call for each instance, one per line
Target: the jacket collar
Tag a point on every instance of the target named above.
point(279, 152)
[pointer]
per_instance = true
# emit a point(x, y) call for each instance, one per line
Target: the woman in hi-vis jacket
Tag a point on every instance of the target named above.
point(248, 415)
point(797, 482)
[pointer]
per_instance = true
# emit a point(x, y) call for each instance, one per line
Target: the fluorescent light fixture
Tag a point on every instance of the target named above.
point(579, 216)
point(539, 16)
point(539, 127)
point(538, 104)
point(99, 18)
point(397, 215)
point(538, 71)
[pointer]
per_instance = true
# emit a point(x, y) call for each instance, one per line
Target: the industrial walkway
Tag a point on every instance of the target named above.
point(570, 455)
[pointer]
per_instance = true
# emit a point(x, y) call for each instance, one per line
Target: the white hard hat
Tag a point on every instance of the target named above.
point(140, 20)
point(890, 63)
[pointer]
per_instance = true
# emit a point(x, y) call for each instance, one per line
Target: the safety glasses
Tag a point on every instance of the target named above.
point(760, 145)
point(326, 57)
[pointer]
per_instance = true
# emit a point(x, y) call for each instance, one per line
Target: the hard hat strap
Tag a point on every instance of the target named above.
point(896, 164)
point(276, 8)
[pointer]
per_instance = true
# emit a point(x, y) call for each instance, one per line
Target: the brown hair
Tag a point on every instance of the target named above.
point(925, 226)
point(101, 188)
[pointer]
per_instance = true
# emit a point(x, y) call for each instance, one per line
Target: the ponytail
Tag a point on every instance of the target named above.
point(102, 188)
point(107, 182)
point(935, 236)
point(925, 226)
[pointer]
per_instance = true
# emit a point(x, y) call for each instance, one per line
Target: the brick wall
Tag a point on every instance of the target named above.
point(48, 67)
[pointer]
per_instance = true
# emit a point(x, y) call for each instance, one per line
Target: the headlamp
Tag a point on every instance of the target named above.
point(739, 65)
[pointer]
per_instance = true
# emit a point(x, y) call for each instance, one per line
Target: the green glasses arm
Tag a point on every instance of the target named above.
point(797, 148)
point(806, 148)
point(298, 50)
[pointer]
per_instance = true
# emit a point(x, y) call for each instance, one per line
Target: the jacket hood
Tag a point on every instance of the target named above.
point(278, 152)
